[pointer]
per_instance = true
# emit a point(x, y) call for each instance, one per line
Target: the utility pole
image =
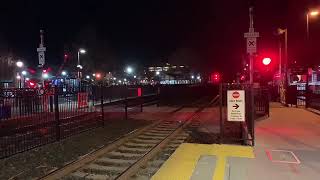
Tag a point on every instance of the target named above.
point(41, 54)
point(251, 37)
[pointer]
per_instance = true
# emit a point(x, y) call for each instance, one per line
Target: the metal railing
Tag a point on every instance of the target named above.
point(33, 117)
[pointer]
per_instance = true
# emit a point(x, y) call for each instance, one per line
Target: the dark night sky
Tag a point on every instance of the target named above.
point(207, 34)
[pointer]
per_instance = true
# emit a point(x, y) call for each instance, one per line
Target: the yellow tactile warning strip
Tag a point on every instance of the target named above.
point(182, 162)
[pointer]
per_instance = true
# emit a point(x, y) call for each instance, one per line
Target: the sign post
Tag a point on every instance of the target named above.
point(41, 50)
point(251, 50)
point(251, 37)
point(236, 105)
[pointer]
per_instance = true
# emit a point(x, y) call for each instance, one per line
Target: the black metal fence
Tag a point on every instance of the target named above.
point(313, 97)
point(33, 117)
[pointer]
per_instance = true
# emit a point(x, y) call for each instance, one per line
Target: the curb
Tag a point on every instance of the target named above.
point(315, 111)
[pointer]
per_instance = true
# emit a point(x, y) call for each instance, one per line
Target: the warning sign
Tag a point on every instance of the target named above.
point(236, 105)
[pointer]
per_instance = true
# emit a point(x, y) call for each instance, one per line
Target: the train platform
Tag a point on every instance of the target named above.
point(287, 148)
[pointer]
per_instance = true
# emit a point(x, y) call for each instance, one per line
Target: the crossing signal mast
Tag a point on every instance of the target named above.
point(41, 50)
point(251, 37)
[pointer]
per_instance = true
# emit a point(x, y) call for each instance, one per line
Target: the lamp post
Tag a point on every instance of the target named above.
point(284, 79)
point(19, 64)
point(285, 32)
point(79, 66)
point(310, 14)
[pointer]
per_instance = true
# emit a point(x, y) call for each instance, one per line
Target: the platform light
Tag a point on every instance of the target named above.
point(158, 73)
point(87, 77)
point(192, 77)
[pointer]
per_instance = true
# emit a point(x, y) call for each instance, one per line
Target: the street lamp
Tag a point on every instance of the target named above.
point(312, 13)
point(80, 51)
point(19, 64)
point(19, 80)
point(45, 75)
point(129, 70)
point(24, 73)
point(285, 32)
point(63, 73)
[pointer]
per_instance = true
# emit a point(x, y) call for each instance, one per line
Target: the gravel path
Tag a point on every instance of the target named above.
point(40, 161)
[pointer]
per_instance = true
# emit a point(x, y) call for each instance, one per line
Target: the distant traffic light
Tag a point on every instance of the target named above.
point(215, 77)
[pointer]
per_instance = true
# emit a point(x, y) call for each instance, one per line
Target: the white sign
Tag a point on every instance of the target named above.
point(251, 35)
point(41, 58)
point(251, 45)
point(236, 105)
point(251, 41)
point(41, 49)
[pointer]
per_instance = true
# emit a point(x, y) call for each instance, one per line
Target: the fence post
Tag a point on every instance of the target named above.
point(307, 98)
point(252, 113)
point(101, 101)
point(220, 111)
point(126, 108)
point(158, 96)
point(141, 100)
point(126, 103)
point(56, 113)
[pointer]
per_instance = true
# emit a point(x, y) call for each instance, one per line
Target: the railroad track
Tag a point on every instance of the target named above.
point(126, 156)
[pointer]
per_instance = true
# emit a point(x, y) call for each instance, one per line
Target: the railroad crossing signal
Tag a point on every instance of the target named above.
point(251, 41)
point(41, 50)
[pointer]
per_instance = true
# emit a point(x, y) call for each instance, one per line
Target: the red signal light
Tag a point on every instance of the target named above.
point(266, 61)
point(98, 75)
